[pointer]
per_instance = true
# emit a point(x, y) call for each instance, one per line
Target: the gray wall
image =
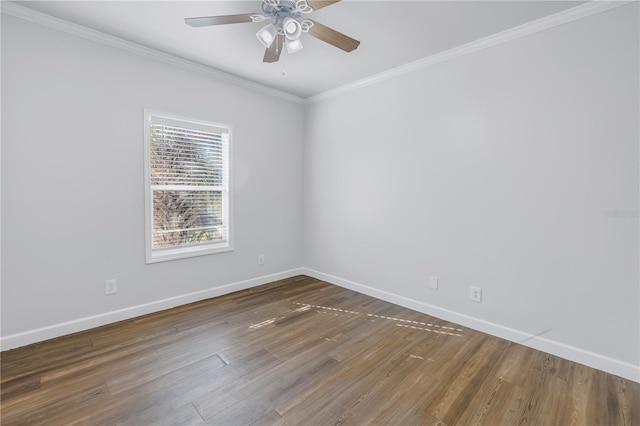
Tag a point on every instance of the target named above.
point(72, 178)
point(494, 169)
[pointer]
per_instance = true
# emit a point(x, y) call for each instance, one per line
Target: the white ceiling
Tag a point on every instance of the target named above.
point(392, 33)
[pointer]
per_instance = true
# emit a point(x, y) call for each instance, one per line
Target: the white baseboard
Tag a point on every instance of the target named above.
point(32, 336)
point(591, 359)
point(581, 356)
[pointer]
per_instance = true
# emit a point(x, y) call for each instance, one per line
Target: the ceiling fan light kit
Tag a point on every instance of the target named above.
point(267, 35)
point(286, 27)
point(293, 46)
point(292, 28)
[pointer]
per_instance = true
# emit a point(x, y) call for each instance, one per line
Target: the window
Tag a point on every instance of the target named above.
point(188, 203)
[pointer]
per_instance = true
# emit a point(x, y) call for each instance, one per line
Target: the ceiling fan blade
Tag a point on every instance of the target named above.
point(219, 20)
point(319, 4)
point(272, 54)
point(333, 37)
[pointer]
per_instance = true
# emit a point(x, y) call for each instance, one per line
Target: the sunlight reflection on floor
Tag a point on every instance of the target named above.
point(414, 325)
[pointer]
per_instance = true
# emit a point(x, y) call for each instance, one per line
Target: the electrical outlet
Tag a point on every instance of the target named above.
point(433, 283)
point(110, 287)
point(261, 259)
point(476, 294)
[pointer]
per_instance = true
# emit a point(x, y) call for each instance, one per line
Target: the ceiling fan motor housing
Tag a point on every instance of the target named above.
point(287, 16)
point(294, 8)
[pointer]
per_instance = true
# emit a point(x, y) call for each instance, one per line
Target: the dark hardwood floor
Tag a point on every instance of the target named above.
point(302, 352)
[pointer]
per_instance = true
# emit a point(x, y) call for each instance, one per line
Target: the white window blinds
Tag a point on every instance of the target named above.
point(188, 187)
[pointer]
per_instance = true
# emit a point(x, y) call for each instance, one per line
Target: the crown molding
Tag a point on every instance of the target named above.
point(584, 10)
point(31, 15)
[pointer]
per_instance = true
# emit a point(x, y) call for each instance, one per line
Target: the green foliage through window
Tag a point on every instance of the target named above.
point(188, 174)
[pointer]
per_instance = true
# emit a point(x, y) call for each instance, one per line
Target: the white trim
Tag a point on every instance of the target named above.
point(572, 353)
point(591, 359)
point(32, 336)
point(182, 252)
point(560, 18)
point(587, 9)
point(147, 52)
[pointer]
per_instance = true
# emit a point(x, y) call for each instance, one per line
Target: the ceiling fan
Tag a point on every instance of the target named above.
point(287, 21)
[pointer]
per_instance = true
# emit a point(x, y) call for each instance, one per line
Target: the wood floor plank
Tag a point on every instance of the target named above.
point(514, 365)
point(543, 393)
point(155, 369)
point(464, 387)
point(497, 392)
point(177, 388)
point(23, 384)
point(167, 415)
point(623, 401)
point(43, 356)
point(48, 403)
point(395, 406)
point(296, 352)
point(214, 403)
point(322, 405)
point(271, 418)
point(263, 397)
point(103, 365)
point(577, 393)
point(374, 391)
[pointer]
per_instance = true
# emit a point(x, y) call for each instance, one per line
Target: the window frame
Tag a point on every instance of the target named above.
point(154, 255)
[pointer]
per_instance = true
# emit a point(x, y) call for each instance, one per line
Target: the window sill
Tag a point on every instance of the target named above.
point(165, 255)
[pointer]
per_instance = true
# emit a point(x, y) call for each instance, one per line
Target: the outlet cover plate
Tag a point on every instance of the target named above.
point(110, 287)
point(433, 283)
point(476, 294)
